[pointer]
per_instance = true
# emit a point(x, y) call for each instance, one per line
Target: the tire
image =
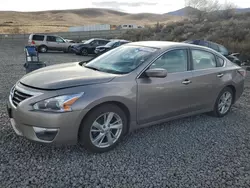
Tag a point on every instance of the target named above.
point(218, 111)
point(84, 52)
point(43, 49)
point(96, 139)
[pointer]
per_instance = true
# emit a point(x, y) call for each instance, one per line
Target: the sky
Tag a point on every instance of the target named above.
point(130, 6)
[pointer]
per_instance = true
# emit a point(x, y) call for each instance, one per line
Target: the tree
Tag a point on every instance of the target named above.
point(203, 7)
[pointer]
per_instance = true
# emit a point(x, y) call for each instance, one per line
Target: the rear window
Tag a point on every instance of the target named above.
point(38, 37)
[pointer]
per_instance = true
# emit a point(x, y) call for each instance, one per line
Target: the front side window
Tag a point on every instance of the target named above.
point(203, 60)
point(173, 61)
point(121, 60)
point(94, 43)
point(51, 39)
point(59, 39)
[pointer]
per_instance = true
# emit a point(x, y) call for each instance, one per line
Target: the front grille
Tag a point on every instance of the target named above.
point(19, 96)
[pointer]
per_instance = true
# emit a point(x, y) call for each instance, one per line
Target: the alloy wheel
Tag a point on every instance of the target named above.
point(225, 102)
point(106, 130)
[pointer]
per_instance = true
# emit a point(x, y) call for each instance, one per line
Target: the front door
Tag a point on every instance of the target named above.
point(160, 98)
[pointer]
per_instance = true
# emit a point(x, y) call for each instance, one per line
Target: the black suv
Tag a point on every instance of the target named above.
point(88, 47)
point(111, 45)
point(217, 47)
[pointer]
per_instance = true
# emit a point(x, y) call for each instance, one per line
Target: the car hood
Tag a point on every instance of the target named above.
point(64, 76)
point(79, 45)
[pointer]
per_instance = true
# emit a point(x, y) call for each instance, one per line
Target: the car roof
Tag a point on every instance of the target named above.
point(99, 39)
point(164, 44)
point(119, 40)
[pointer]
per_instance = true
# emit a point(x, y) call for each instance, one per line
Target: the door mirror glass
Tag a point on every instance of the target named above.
point(157, 73)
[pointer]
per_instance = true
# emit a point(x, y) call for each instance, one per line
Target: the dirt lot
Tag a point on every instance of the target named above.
point(199, 151)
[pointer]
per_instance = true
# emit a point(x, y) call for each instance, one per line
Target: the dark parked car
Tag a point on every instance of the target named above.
point(88, 47)
point(217, 47)
point(111, 45)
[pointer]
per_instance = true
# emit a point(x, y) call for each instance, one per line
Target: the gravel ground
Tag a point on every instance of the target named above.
point(198, 151)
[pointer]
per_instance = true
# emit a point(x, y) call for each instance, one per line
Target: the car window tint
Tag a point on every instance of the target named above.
point(203, 60)
point(214, 46)
point(103, 42)
point(220, 62)
point(38, 37)
point(223, 50)
point(51, 38)
point(173, 61)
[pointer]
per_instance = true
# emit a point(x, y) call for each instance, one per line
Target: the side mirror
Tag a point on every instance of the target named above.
point(157, 73)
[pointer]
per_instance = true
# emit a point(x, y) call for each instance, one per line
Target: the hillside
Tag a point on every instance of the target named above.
point(232, 32)
point(60, 20)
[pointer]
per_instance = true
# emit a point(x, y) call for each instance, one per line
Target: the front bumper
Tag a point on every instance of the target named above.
point(75, 50)
point(44, 127)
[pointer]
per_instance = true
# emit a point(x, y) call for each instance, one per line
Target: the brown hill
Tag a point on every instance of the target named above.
point(60, 20)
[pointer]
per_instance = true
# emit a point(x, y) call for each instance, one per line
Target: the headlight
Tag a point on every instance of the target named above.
point(58, 104)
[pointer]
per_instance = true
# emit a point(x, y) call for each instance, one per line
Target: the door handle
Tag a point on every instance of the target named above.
point(220, 75)
point(186, 82)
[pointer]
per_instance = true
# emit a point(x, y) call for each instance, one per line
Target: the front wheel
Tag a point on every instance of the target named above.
point(223, 103)
point(84, 52)
point(103, 128)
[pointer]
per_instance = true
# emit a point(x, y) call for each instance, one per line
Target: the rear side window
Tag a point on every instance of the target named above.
point(220, 62)
point(203, 60)
point(38, 37)
point(51, 38)
point(214, 46)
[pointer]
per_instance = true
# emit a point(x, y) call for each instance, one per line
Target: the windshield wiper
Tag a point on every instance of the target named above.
point(93, 68)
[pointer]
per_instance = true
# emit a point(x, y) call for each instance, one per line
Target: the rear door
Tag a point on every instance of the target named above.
point(208, 74)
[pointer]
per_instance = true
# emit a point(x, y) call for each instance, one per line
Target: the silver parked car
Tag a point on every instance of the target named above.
point(133, 86)
point(50, 42)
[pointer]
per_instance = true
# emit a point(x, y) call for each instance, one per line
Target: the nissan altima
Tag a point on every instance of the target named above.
point(135, 85)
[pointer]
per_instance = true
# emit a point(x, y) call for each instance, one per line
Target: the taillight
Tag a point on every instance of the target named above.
point(33, 42)
point(243, 72)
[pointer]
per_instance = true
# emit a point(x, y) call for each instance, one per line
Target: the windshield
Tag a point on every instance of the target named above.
point(110, 44)
point(121, 60)
point(88, 41)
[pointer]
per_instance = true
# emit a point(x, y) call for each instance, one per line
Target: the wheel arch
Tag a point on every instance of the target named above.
point(120, 104)
point(232, 87)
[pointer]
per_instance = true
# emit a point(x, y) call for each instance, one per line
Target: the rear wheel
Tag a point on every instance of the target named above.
point(43, 49)
point(223, 103)
point(103, 128)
